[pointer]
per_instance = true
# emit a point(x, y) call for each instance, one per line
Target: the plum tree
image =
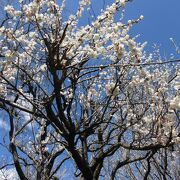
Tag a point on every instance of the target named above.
point(86, 100)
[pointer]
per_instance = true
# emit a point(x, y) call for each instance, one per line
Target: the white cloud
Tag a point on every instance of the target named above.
point(9, 174)
point(4, 125)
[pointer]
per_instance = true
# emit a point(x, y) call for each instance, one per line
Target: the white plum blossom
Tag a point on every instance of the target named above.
point(122, 2)
point(175, 103)
point(119, 48)
point(84, 92)
point(112, 89)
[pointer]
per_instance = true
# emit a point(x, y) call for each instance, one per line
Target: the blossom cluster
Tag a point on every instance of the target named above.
point(99, 64)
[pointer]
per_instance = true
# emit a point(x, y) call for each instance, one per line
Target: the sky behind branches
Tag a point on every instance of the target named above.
point(161, 22)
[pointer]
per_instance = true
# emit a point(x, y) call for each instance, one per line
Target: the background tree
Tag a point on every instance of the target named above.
point(85, 97)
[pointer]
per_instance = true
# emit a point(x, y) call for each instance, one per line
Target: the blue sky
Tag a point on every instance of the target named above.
point(161, 22)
